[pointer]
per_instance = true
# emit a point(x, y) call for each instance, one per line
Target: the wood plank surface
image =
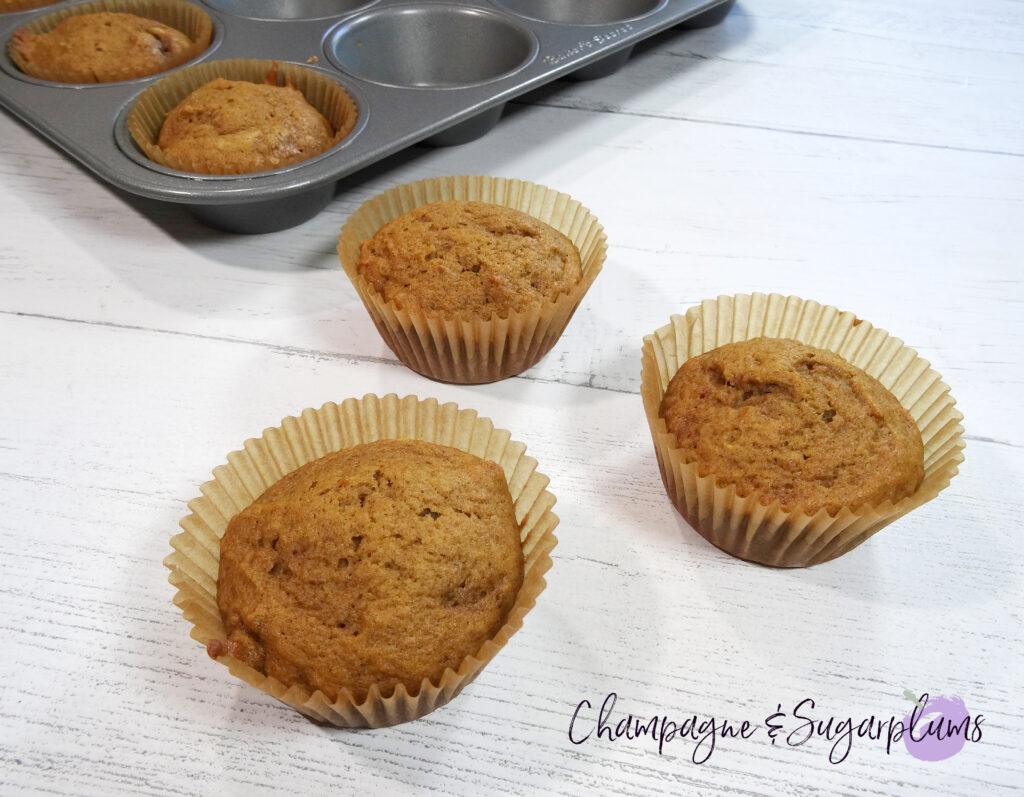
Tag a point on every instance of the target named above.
point(860, 154)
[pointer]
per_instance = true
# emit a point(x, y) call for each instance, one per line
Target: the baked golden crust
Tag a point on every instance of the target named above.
point(793, 423)
point(465, 259)
point(382, 564)
point(238, 127)
point(101, 48)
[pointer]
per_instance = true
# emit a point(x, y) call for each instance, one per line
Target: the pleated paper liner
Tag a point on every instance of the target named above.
point(151, 108)
point(188, 18)
point(474, 350)
point(744, 526)
point(313, 434)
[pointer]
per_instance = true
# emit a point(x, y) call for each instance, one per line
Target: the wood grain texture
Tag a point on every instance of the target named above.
point(865, 156)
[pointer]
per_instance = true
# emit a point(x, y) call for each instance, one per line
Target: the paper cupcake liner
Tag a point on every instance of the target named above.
point(478, 350)
point(313, 434)
point(744, 526)
point(189, 18)
point(152, 106)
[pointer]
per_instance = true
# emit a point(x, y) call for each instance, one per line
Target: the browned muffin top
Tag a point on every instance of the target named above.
point(100, 48)
point(793, 423)
point(380, 564)
point(237, 127)
point(463, 259)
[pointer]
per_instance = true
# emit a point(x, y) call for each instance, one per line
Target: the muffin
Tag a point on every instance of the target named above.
point(471, 279)
point(103, 42)
point(796, 446)
point(382, 564)
point(240, 117)
point(461, 259)
point(403, 566)
point(794, 424)
point(235, 127)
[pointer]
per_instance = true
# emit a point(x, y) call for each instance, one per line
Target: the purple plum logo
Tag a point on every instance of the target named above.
point(938, 727)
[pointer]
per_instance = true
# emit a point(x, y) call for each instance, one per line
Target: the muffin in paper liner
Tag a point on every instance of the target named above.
point(147, 115)
point(313, 434)
point(186, 17)
point(474, 350)
point(767, 534)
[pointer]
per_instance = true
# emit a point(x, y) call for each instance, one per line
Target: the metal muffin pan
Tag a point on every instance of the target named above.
point(418, 70)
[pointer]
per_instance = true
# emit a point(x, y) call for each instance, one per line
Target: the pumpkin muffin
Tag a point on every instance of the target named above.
point(790, 453)
point(463, 259)
point(378, 565)
point(101, 48)
point(471, 279)
point(794, 424)
point(238, 127)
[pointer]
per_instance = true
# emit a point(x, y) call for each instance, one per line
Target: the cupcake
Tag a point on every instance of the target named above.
point(471, 279)
point(363, 562)
point(378, 565)
point(240, 117)
point(788, 432)
point(111, 40)
point(468, 258)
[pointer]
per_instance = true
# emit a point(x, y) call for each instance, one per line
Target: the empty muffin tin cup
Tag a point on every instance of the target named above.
point(147, 115)
point(430, 46)
point(575, 12)
point(194, 564)
point(597, 12)
point(742, 525)
point(474, 350)
point(288, 9)
point(186, 17)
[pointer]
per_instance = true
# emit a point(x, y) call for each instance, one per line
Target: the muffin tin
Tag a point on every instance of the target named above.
point(439, 72)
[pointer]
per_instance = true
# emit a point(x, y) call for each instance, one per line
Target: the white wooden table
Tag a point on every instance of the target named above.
point(864, 154)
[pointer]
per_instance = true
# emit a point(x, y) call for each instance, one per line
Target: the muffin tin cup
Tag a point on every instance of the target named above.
point(186, 17)
point(288, 9)
point(147, 115)
point(573, 12)
point(315, 433)
point(431, 46)
point(474, 351)
point(744, 526)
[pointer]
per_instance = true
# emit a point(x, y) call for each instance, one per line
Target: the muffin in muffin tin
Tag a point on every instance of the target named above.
point(478, 55)
point(111, 40)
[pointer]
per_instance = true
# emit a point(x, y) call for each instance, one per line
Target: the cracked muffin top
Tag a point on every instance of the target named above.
point(465, 259)
point(793, 423)
point(101, 48)
point(381, 564)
